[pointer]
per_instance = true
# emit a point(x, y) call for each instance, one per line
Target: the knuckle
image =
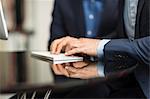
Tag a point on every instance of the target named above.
point(60, 46)
point(57, 73)
point(54, 42)
point(77, 66)
point(67, 37)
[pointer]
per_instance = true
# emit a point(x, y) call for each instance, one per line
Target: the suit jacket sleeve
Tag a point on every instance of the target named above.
point(123, 54)
point(57, 29)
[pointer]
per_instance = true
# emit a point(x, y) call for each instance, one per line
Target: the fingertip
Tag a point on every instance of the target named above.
point(58, 52)
point(54, 53)
point(66, 53)
point(67, 67)
point(67, 74)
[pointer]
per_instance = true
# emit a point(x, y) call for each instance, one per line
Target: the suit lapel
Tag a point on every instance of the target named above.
point(139, 9)
point(79, 16)
point(121, 26)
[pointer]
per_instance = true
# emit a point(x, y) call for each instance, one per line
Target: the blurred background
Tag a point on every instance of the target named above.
point(28, 22)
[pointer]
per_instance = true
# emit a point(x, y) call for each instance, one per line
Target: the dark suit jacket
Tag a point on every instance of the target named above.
point(124, 54)
point(68, 19)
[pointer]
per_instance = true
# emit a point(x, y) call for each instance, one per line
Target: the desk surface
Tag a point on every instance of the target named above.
point(21, 72)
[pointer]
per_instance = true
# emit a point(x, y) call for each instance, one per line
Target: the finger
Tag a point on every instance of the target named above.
point(60, 46)
point(67, 48)
point(77, 44)
point(56, 70)
point(55, 44)
point(71, 46)
point(71, 69)
point(74, 51)
point(67, 64)
point(68, 43)
point(80, 64)
point(63, 70)
point(75, 75)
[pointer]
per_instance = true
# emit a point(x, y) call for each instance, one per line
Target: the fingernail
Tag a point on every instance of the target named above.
point(66, 53)
point(66, 67)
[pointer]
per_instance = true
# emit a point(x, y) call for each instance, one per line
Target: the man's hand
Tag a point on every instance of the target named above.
point(59, 69)
point(82, 70)
point(80, 64)
point(75, 46)
point(63, 44)
point(84, 46)
point(87, 72)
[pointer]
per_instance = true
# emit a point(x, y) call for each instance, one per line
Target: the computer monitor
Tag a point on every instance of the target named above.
point(3, 26)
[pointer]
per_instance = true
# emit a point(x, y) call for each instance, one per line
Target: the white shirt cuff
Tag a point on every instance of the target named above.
point(100, 48)
point(100, 69)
